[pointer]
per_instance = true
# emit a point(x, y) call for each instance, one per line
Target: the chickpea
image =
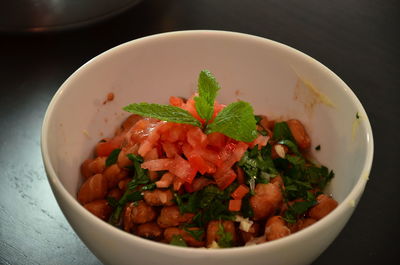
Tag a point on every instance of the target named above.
point(276, 228)
point(85, 170)
point(170, 216)
point(98, 165)
point(213, 228)
point(100, 208)
point(266, 200)
point(149, 230)
point(325, 205)
point(111, 174)
point(299, 133)
point(93, 188)
point(170, 232)
point(159, 197)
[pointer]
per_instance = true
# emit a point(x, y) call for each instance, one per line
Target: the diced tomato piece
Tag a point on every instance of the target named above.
point(216, 139)
point(105, 148)
point(165, 181)
point(177, 183)
point(201, 182)
point(171, 149)
point(235, 205)
point(177, 132)
point(240, 175)
point(182, 169)
point(151, 155)
point(176, 101)
point(260, 141)
point(188, 187)
point(196, 161)
point(158, 164)
point(196, 137)
point(224, 178)
point(190, 106)
point(240, 192)
point(231, 153)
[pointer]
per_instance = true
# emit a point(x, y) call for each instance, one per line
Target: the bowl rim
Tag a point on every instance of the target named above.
point(349, 201)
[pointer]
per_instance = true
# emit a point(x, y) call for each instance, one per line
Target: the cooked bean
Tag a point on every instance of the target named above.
point(149, 230)
point(299, 133)
point(170, 216)
point(266, 200)
point(111, 174)
point(166, 180)
point(115, 193)
point(276, 228)
point(170, 232)
point(85, 170)
point(325, 205)
point(123, 183)
point(98, 165)
point(142, 213)
point(93, 188)
point(213, 228)
point(100, 208)
point(159, 197)
point(301, 224)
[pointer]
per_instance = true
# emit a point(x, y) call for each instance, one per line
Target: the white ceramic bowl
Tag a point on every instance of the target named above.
point(279, 81)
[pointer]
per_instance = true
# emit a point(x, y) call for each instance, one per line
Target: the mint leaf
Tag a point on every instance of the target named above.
point(207, 89)
point(282, 132)
point(204, 110)
point(236, 121)
point(162, 112)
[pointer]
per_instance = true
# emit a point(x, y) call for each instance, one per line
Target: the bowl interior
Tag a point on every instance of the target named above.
point(278, 81)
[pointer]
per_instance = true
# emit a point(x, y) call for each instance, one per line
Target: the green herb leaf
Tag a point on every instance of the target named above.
point(225, 237)
point(282, 132)
point(140, 175)
point(113, 157)
point(236, 121)
point(292, 146)
point(207, 89)
point(195, 233)
point(112, 202)
point(177, 240)
point(162, 112)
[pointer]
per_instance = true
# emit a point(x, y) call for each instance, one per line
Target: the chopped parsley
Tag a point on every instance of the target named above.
point(177, 240)
point(225, 238)
point(113, 157)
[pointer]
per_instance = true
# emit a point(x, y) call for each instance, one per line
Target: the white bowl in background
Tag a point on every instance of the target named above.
point(277, 80)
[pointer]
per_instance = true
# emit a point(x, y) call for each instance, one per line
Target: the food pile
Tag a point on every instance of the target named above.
point(201, 174)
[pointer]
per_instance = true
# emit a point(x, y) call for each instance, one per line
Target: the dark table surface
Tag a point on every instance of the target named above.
point(358, 40)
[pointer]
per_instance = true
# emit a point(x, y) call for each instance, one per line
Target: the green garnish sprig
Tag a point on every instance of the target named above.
point(235, 121)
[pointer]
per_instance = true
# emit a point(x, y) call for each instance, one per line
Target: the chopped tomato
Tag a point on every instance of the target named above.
point(240, 192)
point(151, 155)
point(235, 205)
point(217, 140)
point(158, 164)
point(105, 148)
point(182, 169)
point(177, 132)
point(188, 187)
point(190, 106)
point(165, 181)
point(260, 141)
point(196, 137)
point(171, 149)
point(231, 153)
point(176, 101)
point(224, 178)
point(240, 175)
point(196, 161)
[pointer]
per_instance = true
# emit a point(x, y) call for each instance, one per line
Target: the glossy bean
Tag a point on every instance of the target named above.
point(93, 188)
point(299, 133)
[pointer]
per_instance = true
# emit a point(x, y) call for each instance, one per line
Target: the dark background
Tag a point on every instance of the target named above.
point(358, 40)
